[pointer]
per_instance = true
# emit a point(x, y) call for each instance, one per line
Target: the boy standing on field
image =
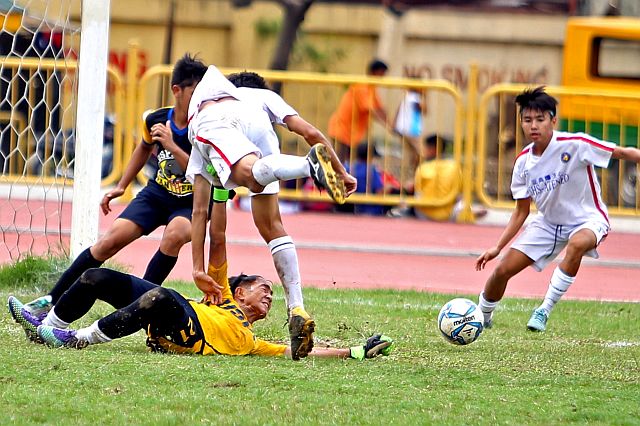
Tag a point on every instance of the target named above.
point(557, 171)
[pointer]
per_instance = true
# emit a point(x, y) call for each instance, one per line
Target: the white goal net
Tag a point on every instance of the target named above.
point(40, 143)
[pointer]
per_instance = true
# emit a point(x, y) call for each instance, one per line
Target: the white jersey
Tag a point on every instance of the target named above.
point(562, 181)
point(409, 117)
point(214, 85)
point(272, 103)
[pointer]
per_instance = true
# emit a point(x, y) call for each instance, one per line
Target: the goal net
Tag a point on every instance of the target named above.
point(40, 43)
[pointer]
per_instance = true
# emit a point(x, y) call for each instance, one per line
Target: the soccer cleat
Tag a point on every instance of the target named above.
point(39, 307)
point(487, 322)
point(538, 320)
point(58, 338)
point(323, 174)
point(23, 317)
point(301, 328)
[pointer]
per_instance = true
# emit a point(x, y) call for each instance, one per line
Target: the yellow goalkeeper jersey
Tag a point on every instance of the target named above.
point(225, 328)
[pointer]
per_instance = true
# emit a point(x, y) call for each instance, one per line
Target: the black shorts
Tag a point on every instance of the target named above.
point(182, 333)
point(153, 207)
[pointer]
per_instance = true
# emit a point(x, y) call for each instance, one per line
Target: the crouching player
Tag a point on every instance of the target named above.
point(557, 171)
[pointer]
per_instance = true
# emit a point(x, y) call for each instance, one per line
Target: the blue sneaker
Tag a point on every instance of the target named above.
point(39, 307)
point(538, 320)
point(23, 317)
point(58, 338)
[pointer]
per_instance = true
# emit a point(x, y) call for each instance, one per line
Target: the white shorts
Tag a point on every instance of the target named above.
point(542, 242)
point(223, 133)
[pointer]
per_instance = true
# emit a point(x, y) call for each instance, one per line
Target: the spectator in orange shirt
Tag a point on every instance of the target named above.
point(350, 122)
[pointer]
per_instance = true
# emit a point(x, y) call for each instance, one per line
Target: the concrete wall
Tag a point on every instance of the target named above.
point(436, 43)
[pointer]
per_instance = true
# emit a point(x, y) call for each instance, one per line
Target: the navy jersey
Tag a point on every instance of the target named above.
point(170, 175)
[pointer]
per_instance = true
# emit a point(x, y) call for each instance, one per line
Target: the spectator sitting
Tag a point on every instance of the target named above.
point(438, 182)
point(369, 178)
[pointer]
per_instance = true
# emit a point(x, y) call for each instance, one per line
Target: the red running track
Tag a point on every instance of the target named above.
point(346, 251)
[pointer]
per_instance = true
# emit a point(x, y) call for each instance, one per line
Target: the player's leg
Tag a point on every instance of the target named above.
point(563, 276)
point(510, 265)
point(121, 233)
point(266, 216)
point(116, 288)
point(158, 308)
point(113, 287)
point(176, 234)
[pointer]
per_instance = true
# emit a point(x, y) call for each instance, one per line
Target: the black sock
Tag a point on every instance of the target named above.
point(83, 262)
point(159, 267)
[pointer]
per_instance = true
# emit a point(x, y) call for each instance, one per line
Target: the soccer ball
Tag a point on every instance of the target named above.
point(460, 321)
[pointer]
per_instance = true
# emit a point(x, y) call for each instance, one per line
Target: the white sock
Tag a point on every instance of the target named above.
point(560, 283)
point(92, 334)
point(486, 307)
point(285, 259)
point(276, 167)
point(53, 320)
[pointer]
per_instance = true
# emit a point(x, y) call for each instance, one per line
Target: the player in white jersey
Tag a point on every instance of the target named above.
point(237, 142)
point(556, 171)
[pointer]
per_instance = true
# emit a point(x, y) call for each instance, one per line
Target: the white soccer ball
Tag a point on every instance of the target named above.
point(460, 321)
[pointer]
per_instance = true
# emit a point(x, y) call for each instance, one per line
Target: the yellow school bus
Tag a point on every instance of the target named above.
point(603, 54)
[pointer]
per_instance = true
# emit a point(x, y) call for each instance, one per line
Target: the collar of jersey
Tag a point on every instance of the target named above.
point(174, 128)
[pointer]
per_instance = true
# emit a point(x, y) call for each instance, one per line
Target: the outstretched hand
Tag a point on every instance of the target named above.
point(210, 288)
point(485, 257)
point(104, 204)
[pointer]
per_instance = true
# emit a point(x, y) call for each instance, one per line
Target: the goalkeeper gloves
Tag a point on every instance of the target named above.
point(374, 346)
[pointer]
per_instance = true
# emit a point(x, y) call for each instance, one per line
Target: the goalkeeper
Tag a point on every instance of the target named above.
point(172, 322)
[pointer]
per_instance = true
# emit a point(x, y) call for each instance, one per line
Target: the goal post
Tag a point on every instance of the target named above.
point(92, 80)
point(54, 111)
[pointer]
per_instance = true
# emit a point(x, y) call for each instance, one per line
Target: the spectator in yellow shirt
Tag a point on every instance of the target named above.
point(438, 182)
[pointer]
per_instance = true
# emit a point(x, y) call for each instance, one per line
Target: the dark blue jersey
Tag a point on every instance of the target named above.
point(170, 175)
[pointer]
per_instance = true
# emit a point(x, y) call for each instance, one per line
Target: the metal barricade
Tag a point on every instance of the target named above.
point(315, 97)
point(608, 115)
point(38, 132)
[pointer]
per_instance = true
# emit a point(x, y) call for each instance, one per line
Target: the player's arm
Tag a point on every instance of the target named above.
point(313, 136)
point(375, 345)
point(626, 153)
point(519, 215)
point(201, 196)
point(138, 159)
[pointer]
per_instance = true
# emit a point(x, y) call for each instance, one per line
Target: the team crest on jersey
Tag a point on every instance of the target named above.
point(565, 157)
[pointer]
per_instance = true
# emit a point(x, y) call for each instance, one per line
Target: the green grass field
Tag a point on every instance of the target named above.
point(584, 370)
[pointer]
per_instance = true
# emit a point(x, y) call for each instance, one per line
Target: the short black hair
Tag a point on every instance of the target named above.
point(364, 150)
point(538, 100)
point(237, 281)
point(432, 141)
point(377, 65)
point(248, 79)
point(187, 71)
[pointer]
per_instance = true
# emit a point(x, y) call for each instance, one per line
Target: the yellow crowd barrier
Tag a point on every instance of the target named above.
point(38, 137)
point(484, 132)
point(315, 97)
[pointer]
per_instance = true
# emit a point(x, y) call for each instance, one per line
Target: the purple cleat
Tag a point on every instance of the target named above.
point(58, 338)
point(26, 319)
